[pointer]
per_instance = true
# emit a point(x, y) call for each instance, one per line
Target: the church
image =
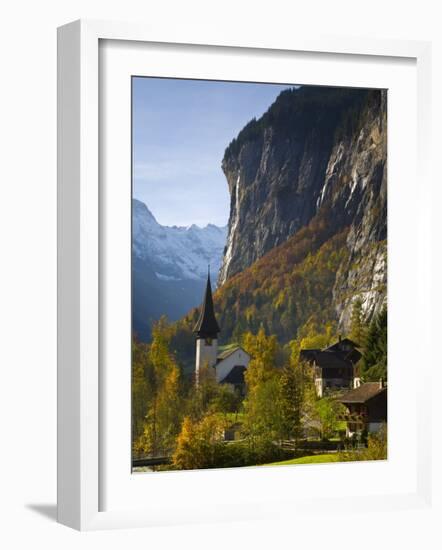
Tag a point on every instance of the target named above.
point(229, 366)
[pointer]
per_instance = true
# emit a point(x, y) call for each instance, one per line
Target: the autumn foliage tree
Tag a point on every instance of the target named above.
point(161, 423)
point(199, 443)
point(313, 335)
point(329, 413)
point(297, 390)
point(262, 414)
point(262, 350)
point(141, 389)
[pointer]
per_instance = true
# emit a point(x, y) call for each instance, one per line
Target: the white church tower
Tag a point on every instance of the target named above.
point(206, 330)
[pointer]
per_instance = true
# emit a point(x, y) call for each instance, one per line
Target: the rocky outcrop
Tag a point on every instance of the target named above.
point(316, 150)
point(364, 274)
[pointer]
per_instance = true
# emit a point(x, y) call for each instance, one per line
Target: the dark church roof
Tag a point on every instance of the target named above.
point(235, 376)
point(207, 326)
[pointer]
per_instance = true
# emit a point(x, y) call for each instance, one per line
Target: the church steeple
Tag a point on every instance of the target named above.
point(207, 326)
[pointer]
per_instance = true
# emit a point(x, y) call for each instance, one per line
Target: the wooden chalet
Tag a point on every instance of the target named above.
point(335, 367)
point(366, 408)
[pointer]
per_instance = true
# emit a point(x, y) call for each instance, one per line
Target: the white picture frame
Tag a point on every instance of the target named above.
point(80, 272)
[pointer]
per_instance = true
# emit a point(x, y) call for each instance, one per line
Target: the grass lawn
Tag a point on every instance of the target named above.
point(312, 459)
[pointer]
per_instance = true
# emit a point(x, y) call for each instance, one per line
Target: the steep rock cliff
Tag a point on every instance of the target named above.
point(317, 152)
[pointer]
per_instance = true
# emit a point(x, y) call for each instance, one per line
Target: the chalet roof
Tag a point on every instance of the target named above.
point(308, 354)
point(235, 376)
point(342, 347)
point(207, 326)
point(364, 393)
point(344, 341)
point(325, 359)
point(335, 356)
point(223, 355)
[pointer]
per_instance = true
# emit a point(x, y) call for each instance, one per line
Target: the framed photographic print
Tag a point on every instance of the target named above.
point(234, 276)
point(294, 244)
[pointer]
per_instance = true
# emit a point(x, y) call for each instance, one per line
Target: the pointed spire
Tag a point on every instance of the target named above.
point(207, 326)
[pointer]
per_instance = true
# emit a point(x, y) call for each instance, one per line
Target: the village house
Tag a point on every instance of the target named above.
point(335, 367)
point(227, 367)
point(366, 408)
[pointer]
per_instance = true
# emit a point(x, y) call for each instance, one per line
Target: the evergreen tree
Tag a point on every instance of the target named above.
point(358, 328)
point(292, 386)
point(374, 358)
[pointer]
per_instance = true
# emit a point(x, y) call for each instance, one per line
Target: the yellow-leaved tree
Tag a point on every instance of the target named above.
point(262, 407)
point(312, 336)
point(199, 443)
point(141, 389)
point(163, 418)
point(262, 350)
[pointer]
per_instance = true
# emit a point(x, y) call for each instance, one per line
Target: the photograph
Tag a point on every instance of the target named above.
point(221, 225)
point(259, 274)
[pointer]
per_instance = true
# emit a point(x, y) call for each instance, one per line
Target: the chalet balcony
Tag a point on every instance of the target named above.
point(338, 382)
point(333, 385)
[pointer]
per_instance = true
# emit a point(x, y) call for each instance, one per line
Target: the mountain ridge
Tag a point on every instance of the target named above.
point(182, 252)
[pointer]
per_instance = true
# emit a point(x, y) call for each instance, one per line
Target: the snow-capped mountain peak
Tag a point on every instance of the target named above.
point(176, 253)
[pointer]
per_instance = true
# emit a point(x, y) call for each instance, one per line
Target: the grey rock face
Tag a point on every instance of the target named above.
point(274, 185)
point(364, 275)
point(315, 149)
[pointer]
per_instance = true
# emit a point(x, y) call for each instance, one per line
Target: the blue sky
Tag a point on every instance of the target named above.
point(180, 131)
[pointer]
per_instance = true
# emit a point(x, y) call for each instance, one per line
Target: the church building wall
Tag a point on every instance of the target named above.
point(205, 353)
point(238, 358)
